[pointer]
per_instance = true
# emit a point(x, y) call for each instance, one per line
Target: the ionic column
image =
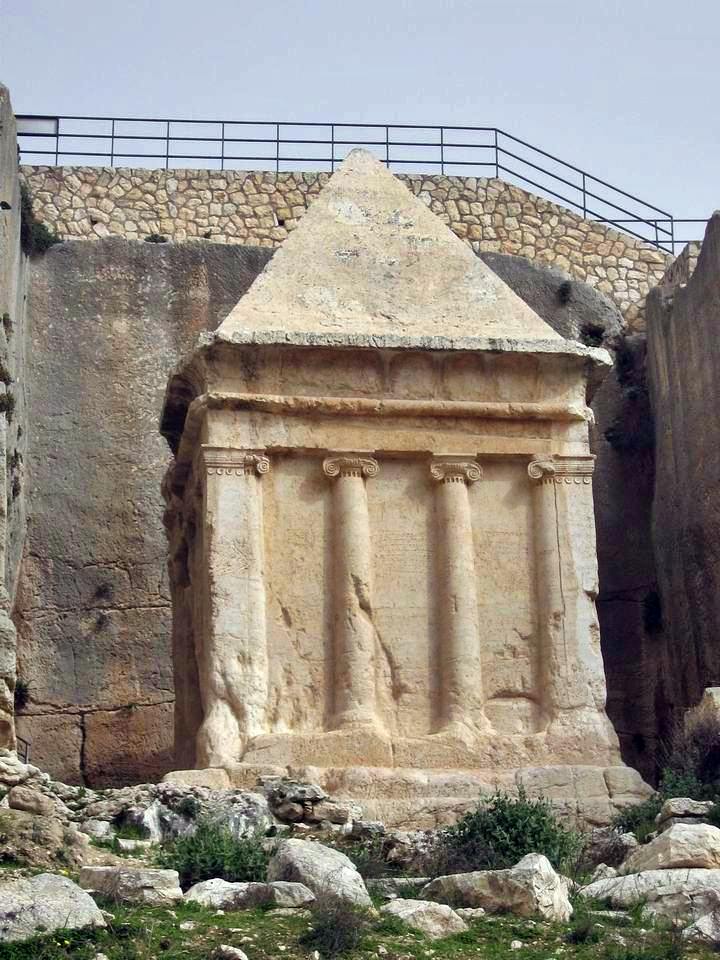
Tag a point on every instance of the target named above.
point(353, 629)
point(572, 674)
point(233, 659)
point(460, 660)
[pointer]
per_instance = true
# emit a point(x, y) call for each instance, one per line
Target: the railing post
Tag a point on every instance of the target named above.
point(332, 148)
point(442, 150)
point(672, 235)
point(57, 142)
point(167, 144)
point(112, 144)
point(277, 148)
point(222, 146)
point(497, 156)
point(584, 193)
point(387, 146)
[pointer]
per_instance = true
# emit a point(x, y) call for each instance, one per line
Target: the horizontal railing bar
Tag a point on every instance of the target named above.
point(571, 166)
point(258, 123)
point(575, 204)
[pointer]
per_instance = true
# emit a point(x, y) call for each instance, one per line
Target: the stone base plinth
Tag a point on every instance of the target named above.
point(408, 798)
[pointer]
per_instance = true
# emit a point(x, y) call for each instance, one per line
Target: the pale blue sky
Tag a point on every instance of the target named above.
point(627, 90)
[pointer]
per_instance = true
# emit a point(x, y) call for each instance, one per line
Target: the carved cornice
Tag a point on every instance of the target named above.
point(456, 471)
point(569, 470)
point(350, 466)
point(219, 461)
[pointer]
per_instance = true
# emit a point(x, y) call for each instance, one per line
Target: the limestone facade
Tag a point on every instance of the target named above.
point(235, 206)
point(381, 529)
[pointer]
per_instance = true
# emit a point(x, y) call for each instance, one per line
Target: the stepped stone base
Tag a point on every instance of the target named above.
point(424, 799)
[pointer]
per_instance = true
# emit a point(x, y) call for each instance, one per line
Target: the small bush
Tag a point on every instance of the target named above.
point(156, 238)
point(35, 237)
point(214, 851)
point(337, 925)
point(503, 830)
point(21, 694)
point(639, 819)
point(693, 754)
point(7, 405)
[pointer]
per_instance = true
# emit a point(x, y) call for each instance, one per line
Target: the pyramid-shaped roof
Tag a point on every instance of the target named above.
point(370, 259)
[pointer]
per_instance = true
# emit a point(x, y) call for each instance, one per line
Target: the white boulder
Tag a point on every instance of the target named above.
point(224, 895)
point(692, 845)
point(705, 930)
point(675, 894)
point(131, 885)
point(530, 888)
point(320, 868)
point(434, 920)
point(42, 904)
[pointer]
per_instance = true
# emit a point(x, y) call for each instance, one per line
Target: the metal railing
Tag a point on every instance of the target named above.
point(285, 146)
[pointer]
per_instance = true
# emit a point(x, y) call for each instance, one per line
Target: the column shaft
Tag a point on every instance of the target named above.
point(233, 659)
point(353, 629)
point(461, 685)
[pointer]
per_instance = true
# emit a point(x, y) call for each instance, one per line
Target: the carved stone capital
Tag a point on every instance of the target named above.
point(456, 471)
point(348, 465)
point(567, 470)
point(219, 462)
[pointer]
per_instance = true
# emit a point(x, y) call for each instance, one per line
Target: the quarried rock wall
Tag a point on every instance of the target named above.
point(109, 321)
point(684, 373)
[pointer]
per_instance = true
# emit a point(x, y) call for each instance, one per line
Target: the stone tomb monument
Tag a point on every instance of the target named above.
point(380, 515)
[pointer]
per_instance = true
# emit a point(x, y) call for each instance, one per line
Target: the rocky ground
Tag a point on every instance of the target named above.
point(82, 876)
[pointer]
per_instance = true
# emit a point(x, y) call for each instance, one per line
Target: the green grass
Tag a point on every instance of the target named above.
point(142, 933)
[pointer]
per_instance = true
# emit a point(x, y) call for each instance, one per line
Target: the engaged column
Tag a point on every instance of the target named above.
point(461, 684)
point(353, 629)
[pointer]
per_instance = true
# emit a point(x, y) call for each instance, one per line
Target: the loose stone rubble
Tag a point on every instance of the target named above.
point(682, 845)
point(133, 885)
point(321, 869)
point(435, 920)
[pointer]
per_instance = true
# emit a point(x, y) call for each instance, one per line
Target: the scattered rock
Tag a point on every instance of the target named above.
point(44, 903)
point(530, 888)
point(98, 829)
point(391, 887)
point(683, 845)
point(367, 829)
point(675, 894)
point(603, 872)
point(434, 920)
point(516, 944)
point(14, 772)
point(683, 810)
point(41, 841)
point(470, 913)
point(705, 930)
point(224, 895)
point(610, 847)
point(284, 894)
point(224, 952)
point(132, 885)
point(318, 867)
point(130, 846)
point(31, 801)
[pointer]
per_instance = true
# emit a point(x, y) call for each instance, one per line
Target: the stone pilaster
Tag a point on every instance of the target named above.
point(461, 686)
point(572, 675)
point(233, 659)
point(353, 630)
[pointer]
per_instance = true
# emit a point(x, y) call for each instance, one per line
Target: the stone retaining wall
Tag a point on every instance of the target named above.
point(261, 208)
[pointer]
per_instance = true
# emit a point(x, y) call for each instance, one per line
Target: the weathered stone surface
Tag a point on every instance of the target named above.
point(40, 841)
point(315, 309)
point(98, 583)
point(285, 895)
point(488, 215)
point(705, 930)
point(319, 868)
point(131, 885)
point(43, 904)
point(687, 894)
point(224, 895)
point(32, 801)
point(682, 809)
point(683, 373)
point(434, 920)
point(683, 845)
point(530, 888)
point(390, 888)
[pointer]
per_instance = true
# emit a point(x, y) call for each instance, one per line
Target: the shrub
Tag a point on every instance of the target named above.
point(693, 754)
point(214, 851)
point(502, 830)
point(35, 237)
point(21, 694)
point(337, 925)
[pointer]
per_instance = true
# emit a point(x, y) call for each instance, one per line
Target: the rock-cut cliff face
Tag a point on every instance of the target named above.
point(684, 372)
